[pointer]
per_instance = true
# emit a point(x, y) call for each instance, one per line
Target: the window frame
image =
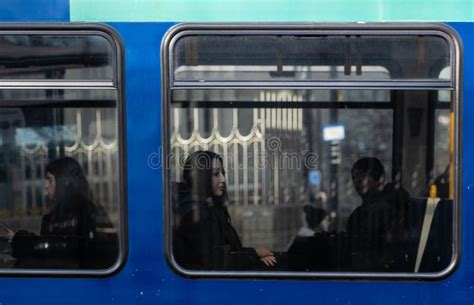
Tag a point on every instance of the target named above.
point(118, 85)
point(454, 84)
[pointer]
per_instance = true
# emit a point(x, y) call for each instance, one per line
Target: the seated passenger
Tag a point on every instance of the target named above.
point(75, 234)
point(375, 227)
point(316, 220)
point(203, 236)
point(314, 248)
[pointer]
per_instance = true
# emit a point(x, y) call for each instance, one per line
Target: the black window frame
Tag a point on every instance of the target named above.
point(118, 85)
point(454, 84)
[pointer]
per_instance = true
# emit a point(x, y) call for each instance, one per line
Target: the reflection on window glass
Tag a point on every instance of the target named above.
point(288, 95)
point(444, 96)
point(441, 152)
point(41, 57)
point(287, 182)
point(59, 152)
point(302, 73)
point(59, 206)
point(308, 57)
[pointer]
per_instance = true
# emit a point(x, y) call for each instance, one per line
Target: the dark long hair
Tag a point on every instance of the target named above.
point(72, 188)
point(197, 174)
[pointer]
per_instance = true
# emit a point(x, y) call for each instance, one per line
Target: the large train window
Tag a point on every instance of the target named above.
point(311, 151)
point(61, 203)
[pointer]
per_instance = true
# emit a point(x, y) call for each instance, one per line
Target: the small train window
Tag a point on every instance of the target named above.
point(311, 153)
point(61, 208)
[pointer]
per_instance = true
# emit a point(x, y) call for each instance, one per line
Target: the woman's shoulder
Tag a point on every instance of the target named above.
point(183, 200)
point(194, 208)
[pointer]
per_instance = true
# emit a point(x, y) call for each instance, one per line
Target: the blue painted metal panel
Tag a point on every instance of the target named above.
point(146, 278)
point(34, 10)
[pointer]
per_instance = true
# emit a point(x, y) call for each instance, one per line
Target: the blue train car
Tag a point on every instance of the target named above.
point(191, 153)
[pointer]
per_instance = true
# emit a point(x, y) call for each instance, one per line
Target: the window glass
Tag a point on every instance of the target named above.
point(284, 169)
point(275, 176)
point(79, 148)
point(307, 58)
point(60, 202)
point(284, 97)
point(59, 97)
point(441, 152)
point(58, 57)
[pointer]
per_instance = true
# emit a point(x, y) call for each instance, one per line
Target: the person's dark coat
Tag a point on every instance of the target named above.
point(78, 235)
point(204, 238)
point(375, 229)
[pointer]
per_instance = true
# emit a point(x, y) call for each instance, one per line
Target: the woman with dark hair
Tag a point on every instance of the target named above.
point(76, 233)
point(203, 236)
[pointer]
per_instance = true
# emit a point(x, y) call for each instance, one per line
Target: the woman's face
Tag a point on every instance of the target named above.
point(218, 178)
point(50, 185)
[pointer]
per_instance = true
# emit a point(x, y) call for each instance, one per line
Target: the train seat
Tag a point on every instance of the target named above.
point(438, 251)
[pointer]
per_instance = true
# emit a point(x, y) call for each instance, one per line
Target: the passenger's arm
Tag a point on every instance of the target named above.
point(26, 244)
point(91, 241)
point(6, 232)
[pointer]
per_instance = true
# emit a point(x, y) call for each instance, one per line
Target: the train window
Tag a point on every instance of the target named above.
point(48, 57)
point(286, 159)
point(234, 58)
point(61, 208)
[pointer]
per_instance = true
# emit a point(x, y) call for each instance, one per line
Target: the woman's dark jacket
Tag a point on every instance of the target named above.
point(203, 236)
point(78, 235)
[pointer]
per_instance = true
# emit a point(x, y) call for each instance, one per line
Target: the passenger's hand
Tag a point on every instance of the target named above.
point(269, 261)
point(263, 252)
point(6, 232)
point(266, 256)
